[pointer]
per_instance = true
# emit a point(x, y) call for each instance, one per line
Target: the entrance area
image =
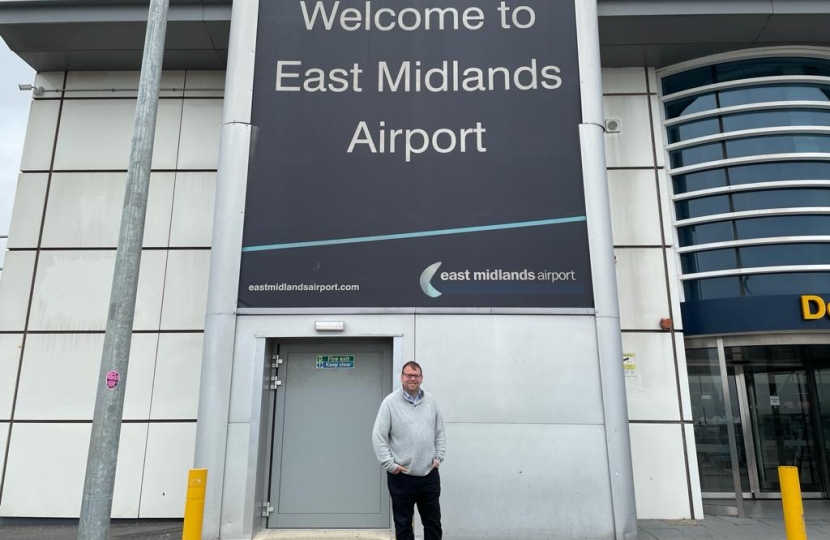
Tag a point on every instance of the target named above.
point(779, 407)
point(323, 470)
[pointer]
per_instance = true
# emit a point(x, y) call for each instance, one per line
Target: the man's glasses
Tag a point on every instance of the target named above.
point(412, 376)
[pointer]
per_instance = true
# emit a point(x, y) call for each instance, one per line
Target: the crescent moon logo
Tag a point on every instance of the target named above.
point(426, 277)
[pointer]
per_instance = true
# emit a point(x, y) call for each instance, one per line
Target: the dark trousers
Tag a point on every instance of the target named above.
point(407, 491)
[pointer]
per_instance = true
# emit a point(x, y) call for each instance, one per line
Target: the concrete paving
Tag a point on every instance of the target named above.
point(325, 534)
point(727, 528)
point(68, 529)
point(711, 528)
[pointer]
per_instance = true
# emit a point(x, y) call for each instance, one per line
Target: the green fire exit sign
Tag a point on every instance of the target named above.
point(343, 361)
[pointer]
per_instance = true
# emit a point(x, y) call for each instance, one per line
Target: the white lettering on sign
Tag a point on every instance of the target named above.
point(315, 79)
point(417, 141)
point(385, 19)
point(530, 16)
point(291, 75)
point(450, 76)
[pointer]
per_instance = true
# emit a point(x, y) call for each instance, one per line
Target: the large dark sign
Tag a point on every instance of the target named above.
point(416, 154)
point(806, 312)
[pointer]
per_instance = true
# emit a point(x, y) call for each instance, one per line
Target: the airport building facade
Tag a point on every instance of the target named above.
point(668, 191)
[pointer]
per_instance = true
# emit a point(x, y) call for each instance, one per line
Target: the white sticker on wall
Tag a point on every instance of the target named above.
point(630, 364)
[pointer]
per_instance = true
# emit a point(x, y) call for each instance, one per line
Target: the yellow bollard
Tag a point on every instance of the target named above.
point(194, 508)
point(791, 501)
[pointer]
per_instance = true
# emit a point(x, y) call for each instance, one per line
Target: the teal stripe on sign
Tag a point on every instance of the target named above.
point(421, 234)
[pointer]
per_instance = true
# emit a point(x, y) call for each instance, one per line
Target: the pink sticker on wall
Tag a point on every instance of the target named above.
point(112, 379)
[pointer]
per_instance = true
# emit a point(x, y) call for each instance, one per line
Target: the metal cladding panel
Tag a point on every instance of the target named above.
point(545, 368)
point(526, 482)
point(428, 167)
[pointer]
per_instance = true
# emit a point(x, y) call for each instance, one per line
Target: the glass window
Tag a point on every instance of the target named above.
point(713, 288)
point(755, 257)
point(689, 79)
point(702, 356)
point(693, 130)
point(786, 117)
point(805, 168)
point(790, 283)
point(705, 206)
point(779, 170)
point(766, 354)
point(708, 179)
point(750, 146)
point(763, 227)
point(745, 69)
point(697, 154)
point(770, 67)
point(784, 255)
point(705, 233)
point(710, 422)
point(749, 120)
point(782, 416)
point(708, 261)
point(691, 105)
point(781, 198)
point(774, 92)
point(767, 227)
point(757, 285)
point(776, 144)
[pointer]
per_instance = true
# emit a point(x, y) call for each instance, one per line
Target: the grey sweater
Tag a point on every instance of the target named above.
point(409, 435)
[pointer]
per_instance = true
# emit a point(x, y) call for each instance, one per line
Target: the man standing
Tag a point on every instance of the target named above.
point(408, 439)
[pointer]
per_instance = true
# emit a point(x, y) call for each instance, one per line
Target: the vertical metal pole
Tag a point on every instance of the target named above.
point(730, 430)
point(746, 425)
point(99, 483)
point(763, 480)
point(223, 286)
point(603, 273)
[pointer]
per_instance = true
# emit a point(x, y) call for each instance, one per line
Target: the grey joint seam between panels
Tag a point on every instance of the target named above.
point(233, 313)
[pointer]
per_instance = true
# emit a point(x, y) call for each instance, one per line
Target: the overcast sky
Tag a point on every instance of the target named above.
point(14, 111)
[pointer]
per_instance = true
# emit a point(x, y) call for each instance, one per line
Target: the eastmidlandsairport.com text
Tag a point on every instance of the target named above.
point(303, 287)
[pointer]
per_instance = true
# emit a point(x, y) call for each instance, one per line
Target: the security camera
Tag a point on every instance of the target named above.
point(36, 90)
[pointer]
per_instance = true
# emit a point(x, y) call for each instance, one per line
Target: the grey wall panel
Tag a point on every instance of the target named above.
point(679, 29)
point(782, 29)
point(525, 481)
point(511, 369)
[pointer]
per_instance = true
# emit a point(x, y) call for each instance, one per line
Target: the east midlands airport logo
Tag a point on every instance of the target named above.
point(426, 278)
point(498, 281)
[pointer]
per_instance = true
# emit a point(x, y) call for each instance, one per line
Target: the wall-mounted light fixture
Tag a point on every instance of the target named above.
point(36, 90)
point(329, 326)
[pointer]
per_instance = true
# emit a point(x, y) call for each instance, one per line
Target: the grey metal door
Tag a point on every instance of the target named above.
point(324, 473)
